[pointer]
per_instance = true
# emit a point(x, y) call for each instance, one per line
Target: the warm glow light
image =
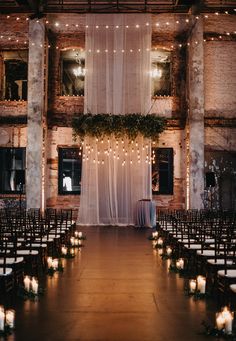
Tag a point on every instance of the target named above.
point(156, 73)
point(224, 320)
point(10, 318)
point(192, 285)
point(180, 264)
point(34, 286)
point(201, 284)
point(27, 283)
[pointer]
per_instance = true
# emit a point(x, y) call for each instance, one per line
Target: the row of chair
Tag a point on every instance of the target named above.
point(27, 237)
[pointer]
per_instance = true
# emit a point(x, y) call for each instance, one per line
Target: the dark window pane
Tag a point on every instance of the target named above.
point(162, 171)
point(16, 75)
point(12, 170)
point(73, 72)
point(70, 163)
point(161, 73)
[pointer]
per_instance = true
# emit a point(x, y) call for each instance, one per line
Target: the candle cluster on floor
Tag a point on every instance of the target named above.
point(31, 285)
point(67, 250)
point(224, 321)
point(7, 321)
point(196, 286)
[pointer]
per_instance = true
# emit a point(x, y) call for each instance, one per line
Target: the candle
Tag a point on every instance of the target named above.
point(80, 234)
point(168, 250)
point(154, 244)
point(27, 283)
point(2, 319)
point(72, 252)
point(80, 242)
point(55, 264)
point(76, 241)
point(160, 241)
point(49, 260)
point(228, 320)
point(64, 250)
point(220, 321)
point(34, 286)
point(76, 234)
point(180, 264)
point(201, 284)
point(72, 241)
point(10, 318)
point(154, 235)
point(192, 285)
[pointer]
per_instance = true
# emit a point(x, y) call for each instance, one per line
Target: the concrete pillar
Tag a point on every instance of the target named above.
point(196, 116)
point(35, 151)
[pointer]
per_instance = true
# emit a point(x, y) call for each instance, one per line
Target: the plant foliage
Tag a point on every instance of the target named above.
point(130, 125)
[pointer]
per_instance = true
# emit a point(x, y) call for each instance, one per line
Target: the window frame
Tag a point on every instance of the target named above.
point(22, 191)
point(170, 62)
point(169, 171)
point(60, 171)
point(15, 57)
point(63, 60)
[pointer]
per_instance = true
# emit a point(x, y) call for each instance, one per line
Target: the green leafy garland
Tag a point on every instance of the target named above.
point(130, 125)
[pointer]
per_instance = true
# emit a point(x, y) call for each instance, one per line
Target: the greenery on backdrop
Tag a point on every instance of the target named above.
point(130, 125)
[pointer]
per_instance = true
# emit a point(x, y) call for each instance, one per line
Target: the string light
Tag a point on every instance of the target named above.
point(177, 45)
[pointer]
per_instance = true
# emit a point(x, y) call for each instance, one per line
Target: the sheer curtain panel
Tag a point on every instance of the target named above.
point(116, 172)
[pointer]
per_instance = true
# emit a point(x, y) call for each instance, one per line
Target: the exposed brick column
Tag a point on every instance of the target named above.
point(36, 129)
point(196, 116)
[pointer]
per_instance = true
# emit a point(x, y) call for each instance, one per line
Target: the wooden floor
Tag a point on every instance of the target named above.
point(117, 288)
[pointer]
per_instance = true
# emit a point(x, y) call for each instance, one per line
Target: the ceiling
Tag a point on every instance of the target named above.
point(40, 7)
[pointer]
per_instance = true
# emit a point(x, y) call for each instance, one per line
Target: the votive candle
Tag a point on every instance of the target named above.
point(201, 284)
point(55, 264)
point(228, 318)
point(49, 261)
point(64, 250)
point(192, 285)
point(2, 319)
point(10, 318)
point(27, 283)
point(34, 286)
point(220, 321)
point(180, 264)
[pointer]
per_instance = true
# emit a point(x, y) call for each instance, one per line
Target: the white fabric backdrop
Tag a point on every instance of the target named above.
point(117, 82)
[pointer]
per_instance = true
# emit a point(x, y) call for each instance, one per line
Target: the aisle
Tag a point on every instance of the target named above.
point(117, 288)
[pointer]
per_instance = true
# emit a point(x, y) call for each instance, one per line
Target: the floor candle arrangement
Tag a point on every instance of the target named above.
point(68, 251)
point(196, 288)
point(7, 321)
point(30, 289)
point(223, 325)
point(54, 265)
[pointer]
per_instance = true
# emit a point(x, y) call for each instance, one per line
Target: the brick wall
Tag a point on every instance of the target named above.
point(220, 89)
point(223, 139)
point(58, 137)
point(13, 108)
point(220, 78)
point(174, 139)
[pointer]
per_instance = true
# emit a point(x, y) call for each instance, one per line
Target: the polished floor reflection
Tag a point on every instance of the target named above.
point(117, 288)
